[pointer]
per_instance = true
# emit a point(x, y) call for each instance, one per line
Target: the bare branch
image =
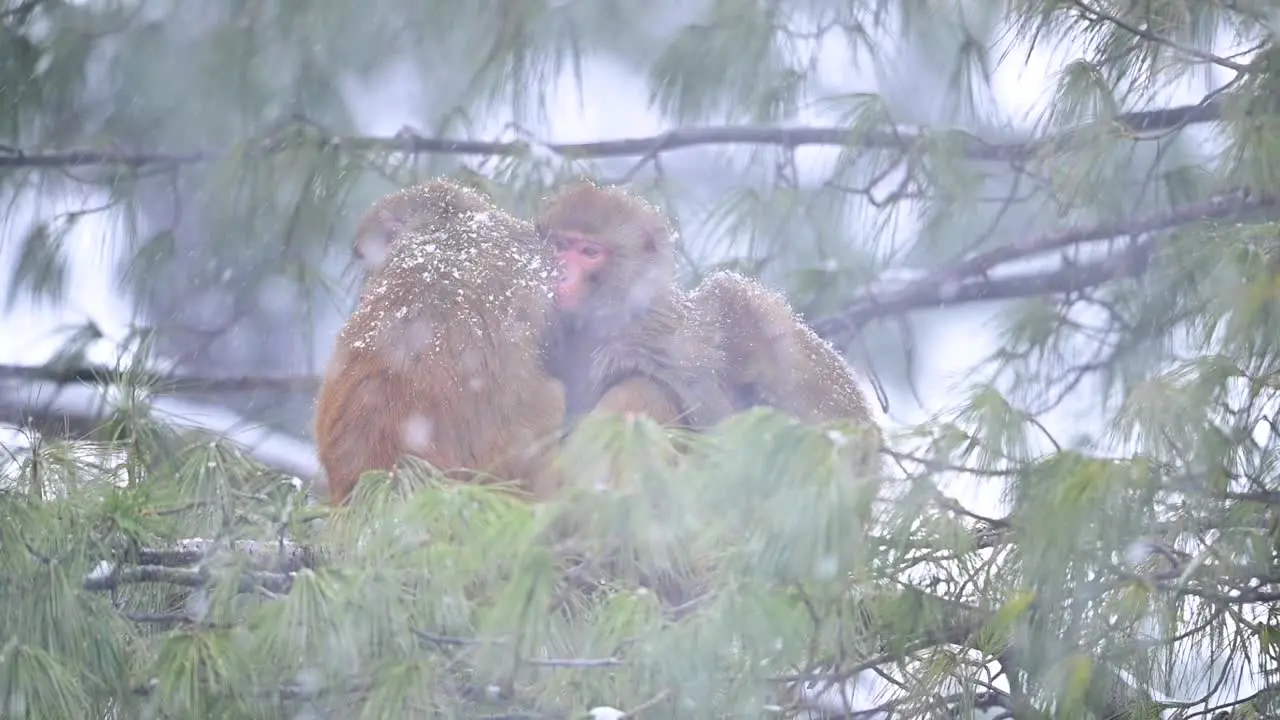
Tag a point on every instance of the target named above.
point(968, 280)
point(646, 147)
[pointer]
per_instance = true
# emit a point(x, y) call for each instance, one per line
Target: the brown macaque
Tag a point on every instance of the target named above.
point(442, 357)
point(630, 341)
point(391, 217)
point(771, 357)
point(625, 338)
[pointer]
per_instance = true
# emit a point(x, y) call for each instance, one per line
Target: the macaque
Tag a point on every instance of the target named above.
point(625, 339)
point(393, 216)
point(441, 359)
point(630, 341)
point(771, 357)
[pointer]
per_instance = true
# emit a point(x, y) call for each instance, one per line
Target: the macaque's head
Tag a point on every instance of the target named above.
point(614, 249)
point(417, 208)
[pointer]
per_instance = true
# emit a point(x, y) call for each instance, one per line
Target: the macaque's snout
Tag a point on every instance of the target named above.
point(570, 286)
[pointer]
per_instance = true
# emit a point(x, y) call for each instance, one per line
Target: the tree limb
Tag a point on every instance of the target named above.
point(247, 582)
point(283, 556)
point(786, 137)
point(940, 621)
point(970, 281)
point(101, 375)
point(60, 410)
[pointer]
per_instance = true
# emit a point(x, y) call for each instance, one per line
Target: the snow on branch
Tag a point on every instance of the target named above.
point(52, 408)
point(273, 564)
point(184, 577)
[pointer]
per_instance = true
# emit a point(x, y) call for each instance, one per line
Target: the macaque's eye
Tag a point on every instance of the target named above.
point(590, 251)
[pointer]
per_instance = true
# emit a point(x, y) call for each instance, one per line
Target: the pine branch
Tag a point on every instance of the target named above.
point(77, 410)
point(100, 375)
point(970, 280)
point(940, 621)
point(787, 137)
point(1158, 39)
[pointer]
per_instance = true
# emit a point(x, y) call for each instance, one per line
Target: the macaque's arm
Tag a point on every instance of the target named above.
point(640, 395)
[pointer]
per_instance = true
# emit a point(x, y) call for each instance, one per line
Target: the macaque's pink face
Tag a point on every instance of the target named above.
point(580, 258)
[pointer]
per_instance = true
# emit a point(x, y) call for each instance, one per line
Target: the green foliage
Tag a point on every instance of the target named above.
point(426, 588)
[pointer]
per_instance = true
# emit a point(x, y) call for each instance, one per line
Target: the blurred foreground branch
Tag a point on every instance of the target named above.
point(194, 563)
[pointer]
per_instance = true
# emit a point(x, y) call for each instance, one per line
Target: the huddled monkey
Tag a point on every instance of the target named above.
point(626, 338)
point(772, 358)
point(442, 357)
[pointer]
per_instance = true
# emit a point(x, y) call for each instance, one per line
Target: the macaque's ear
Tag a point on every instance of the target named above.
point(372, 248)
